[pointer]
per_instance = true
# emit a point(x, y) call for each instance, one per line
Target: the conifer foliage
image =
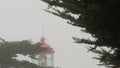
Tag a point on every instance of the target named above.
point(100, 18)
point(9, 52)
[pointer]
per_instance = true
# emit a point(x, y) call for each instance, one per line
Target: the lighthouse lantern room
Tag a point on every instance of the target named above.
point(47, 55)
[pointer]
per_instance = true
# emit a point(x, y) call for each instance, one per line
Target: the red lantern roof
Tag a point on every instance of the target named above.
point(49, 51)
point(44, 45)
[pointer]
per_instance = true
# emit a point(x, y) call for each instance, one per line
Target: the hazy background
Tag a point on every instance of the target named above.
point(22, 20)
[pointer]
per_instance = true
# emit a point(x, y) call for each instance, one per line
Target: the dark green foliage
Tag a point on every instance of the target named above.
point(100, 18)
point(109, 58)
point(9, 51)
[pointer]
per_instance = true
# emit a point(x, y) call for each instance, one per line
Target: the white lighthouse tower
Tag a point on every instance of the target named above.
point(47, 55)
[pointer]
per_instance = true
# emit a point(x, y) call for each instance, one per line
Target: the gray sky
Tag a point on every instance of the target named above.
point(22, 19)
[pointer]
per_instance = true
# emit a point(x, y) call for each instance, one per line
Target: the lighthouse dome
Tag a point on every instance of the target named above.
point(44, 45)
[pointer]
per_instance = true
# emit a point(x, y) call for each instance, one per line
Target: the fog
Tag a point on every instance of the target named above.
point(22, 20)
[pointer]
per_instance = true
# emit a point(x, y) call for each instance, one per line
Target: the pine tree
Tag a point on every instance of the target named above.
point(9, 52)
point(100, 18)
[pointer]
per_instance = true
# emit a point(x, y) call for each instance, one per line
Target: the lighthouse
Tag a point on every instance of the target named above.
point(46, 57)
